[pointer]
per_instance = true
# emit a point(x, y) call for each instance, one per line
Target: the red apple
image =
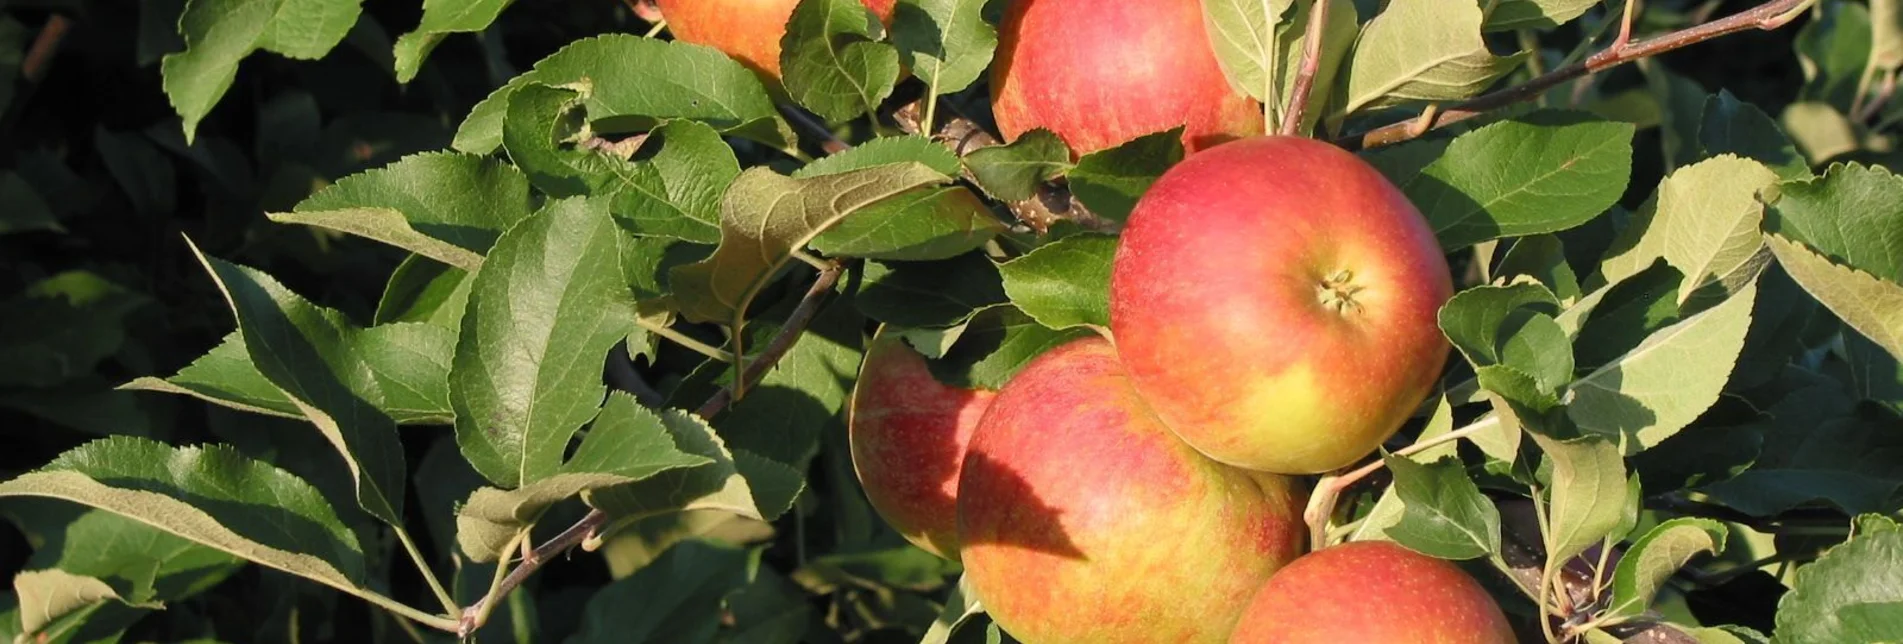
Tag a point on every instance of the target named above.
point(908, 433)
point(747, 30)
point(1101, 72)
point(1084, 520)
point(1372, 592)
point(1274, 300)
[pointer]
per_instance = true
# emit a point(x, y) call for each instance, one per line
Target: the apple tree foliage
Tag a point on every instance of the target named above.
point(425, 302)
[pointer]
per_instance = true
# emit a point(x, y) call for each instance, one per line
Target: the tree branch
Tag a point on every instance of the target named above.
point(473, 617)
point(1768, 16)
point(1305, 75)
point(40, 55)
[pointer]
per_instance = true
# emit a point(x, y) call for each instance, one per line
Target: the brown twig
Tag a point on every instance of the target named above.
point(40, 55)
point(1305, 75)
point(828, 142)
point(582, 530)
point(1767, 16)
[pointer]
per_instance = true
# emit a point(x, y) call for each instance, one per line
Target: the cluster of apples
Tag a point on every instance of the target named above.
point(1273, 305)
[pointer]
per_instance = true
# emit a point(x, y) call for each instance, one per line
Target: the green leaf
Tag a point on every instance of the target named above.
point(1875, 374)
point(1543, 258)
point(624, 72)
point(220, 33)
point(307, 352)
point(541, 318)
point(141, 169)
point(1511, 15)
point(947, 43)
point(832, 62)
point(765, 217)
point(626, 444)
point(1828, 598)
point(1659, 387)
point(1247, 37)
point(1886, 35)
point(923, 224)
point(1444, 514)
point(1588, 494)
point(1012, 172)
point(543, 128)
point(61, 327)
point(1731, 126)
point(210, 495)
point(408, 365)
point(673, 189)
point(1657, 556)
point(1820, 131)
point(920, 225)
point(926, 294)
point(1612, 320)
point(1852, 215)
point(1820, 447)
point(1388, 507)
point(1539, 173)
point(1064, 284)
point(1872, 306)
point(1421, 50)
point(1472, 319)
point(1536, 346)
point(442, 18)
point(994, 345)
point(426, 291)
point(1704, 222)
point(224, 376)
point(961, 608)
point(884, 151)
point(445, 206)
point(1110, 181)
point(1833, 49)
point(22, 209)
point(54, 603)
point(754, 490)
point(128, 562)
point(678, 598)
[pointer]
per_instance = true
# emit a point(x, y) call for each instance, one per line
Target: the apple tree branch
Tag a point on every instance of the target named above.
point(1767, 16)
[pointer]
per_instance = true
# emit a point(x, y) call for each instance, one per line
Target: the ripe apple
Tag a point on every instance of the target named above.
point(1084, 520)
point(747, 30)
point(1372, 592)
point(908, 433)
point(1274, 299)
point(1101, 72)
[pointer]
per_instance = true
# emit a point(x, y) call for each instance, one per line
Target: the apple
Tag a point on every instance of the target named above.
point(908, 434)
point(1274, 299)
point(1372, 592)
point(1082, 519)
point(1101, 72)
point(747, 30)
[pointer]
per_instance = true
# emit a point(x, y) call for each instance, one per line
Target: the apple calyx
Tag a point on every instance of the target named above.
point(1337, 292)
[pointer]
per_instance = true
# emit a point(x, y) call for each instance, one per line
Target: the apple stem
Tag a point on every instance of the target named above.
point(1768, 16)
point(1321, 502)
point(656, 29)
point(590, 525)
point(1297, 108)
